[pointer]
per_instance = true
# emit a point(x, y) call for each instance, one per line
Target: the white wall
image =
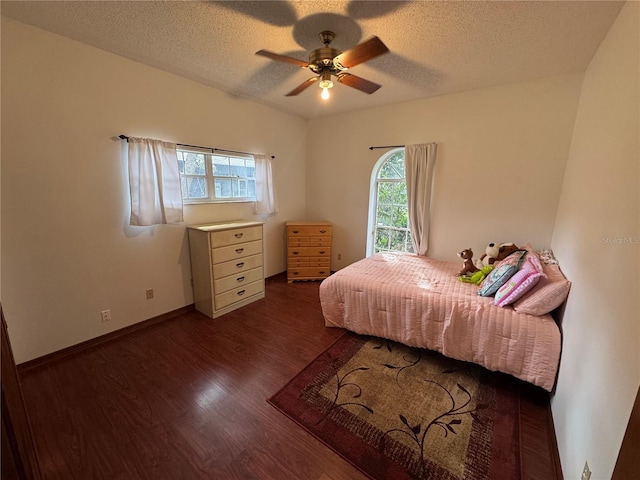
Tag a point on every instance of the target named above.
point(67, 250)
point(501, 156)
point(597, 239)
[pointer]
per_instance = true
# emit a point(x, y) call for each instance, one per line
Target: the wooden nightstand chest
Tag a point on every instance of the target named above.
point(308, 250)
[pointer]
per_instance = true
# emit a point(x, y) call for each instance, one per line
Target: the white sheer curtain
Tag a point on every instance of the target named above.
point(154, 182)
point(419, 164)
point(266, 203)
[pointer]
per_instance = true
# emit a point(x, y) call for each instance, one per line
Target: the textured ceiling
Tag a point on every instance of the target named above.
point(435, 47)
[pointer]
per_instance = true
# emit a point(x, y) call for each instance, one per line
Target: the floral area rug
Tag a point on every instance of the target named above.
point(396, 412)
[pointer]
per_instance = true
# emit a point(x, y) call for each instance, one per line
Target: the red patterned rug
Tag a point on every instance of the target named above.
point(396, 412)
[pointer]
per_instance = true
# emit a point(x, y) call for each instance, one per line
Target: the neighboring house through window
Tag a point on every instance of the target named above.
point(213, 177)
point(388, 228)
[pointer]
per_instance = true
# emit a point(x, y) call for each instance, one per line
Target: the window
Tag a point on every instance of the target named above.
point(388, 211)
point(212, 177)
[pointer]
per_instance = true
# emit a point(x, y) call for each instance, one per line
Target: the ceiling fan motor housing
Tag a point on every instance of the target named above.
point(322, 58)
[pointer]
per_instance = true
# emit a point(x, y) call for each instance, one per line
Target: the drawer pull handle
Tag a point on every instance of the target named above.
point(295, 253)
point(239, 250)
point(241, 292)
point(239, 264)
point(296, 273)
point(240, 279)
point(323, 231)
point(321, 272)
point(296, 231)
point(322, 252)
point(239, 235)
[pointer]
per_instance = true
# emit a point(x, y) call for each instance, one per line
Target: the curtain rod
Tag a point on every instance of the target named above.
point(213, 149)
point(387, 146)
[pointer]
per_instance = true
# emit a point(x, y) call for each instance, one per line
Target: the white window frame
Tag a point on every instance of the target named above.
point(210, 178)
point(373, 198)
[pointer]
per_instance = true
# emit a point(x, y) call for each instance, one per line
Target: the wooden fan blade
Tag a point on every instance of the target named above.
point(360, 53)
point(302, 86)
point(358, 83)
point(282, 58)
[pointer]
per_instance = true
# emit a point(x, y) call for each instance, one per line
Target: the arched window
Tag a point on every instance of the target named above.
point(388, 228)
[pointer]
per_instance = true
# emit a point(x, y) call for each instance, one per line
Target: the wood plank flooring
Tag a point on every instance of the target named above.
point(186, 399)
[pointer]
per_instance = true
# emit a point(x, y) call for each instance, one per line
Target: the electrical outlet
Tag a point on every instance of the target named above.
point(150, 294)
point(106, 315)
point(586, 473)
point(339, 256)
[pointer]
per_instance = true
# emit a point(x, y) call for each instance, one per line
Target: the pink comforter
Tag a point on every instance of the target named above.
point(420, 302)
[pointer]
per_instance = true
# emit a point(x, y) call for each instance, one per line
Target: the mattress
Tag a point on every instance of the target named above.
point(418, 301)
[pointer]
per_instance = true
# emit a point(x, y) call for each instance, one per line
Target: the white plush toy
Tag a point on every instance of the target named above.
point(489, 257)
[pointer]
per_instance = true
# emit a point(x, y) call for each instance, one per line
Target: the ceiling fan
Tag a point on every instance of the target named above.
point(326, 62)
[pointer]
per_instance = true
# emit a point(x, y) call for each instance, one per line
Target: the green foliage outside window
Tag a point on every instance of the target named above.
point(392, 217)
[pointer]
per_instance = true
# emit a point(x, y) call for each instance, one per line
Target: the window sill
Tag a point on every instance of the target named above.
point(209, 202)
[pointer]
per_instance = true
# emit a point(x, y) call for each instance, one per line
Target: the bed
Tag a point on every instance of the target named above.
point(419, 301)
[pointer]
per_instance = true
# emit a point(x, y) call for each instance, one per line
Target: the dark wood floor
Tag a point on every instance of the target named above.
point(186, 399)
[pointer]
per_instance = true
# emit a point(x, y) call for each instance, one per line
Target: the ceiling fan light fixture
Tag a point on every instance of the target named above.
point(325, 84)
point(325, 80)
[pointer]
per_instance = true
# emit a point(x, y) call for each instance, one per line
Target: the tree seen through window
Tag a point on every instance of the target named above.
point(391, 219)
point(207, 177)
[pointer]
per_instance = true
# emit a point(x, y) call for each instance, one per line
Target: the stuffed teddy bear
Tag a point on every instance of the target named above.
point(467, 262)
point(506, 249)
point(489, 256)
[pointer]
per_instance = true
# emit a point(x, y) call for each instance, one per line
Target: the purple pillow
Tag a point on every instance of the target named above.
point(521, 282)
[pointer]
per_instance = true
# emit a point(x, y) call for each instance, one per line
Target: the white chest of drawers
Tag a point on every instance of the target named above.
point(226, 265)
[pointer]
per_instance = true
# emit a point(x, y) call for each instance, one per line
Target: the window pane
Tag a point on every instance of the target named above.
point(194, 187)
point(221, 165)
point(400, 193)
point(397, 240)
point(250, 168)
point(384, 215)
point(381, 240)
point(237, 167)
point(180, 162)
point(193, 163)
point(401, 217)
point(242, 187)
point(393, 167)
point(409, 247)
point(392, 193)
point(395, 216)
point(385, 193)
point(223, 187)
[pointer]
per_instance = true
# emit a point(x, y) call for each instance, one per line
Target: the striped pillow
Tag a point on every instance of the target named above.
point(524, 280)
